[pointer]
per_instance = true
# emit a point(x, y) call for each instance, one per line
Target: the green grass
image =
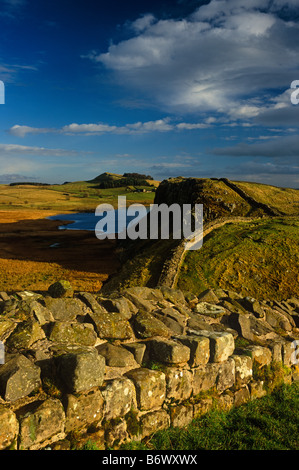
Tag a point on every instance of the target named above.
point(268, 423)
point(75, 197)
point(90, 194)
point(259, 258)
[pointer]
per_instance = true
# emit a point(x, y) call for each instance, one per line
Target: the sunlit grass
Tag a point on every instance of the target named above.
point(258, 258)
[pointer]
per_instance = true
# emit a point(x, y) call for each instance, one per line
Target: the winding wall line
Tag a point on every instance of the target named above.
point(171, 268)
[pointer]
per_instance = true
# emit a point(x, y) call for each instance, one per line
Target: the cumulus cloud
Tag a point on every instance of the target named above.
point(229, 56)
point(21, 131)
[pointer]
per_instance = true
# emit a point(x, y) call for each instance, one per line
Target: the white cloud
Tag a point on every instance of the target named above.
point(220, 59)
point(142, 23)
point(160, 125)
point(191, 126)
point(21, 131)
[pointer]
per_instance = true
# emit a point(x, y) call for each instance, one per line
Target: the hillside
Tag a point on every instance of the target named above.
point(256, 250)
point(113, 180)
point(77, 196)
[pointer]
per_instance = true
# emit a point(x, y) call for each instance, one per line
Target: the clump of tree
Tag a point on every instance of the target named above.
point(138, 176)
point(128, 179)
point(23, 183)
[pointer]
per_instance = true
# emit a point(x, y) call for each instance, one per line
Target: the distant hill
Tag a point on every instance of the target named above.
point(113, 180)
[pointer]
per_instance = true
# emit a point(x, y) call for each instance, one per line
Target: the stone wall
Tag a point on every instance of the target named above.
point(253, 202)
point(82, 367)
point(171, 267)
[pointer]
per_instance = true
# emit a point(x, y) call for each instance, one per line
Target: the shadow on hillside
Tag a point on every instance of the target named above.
point(40, 240)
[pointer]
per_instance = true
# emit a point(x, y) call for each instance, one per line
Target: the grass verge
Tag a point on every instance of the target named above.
point(268, 423)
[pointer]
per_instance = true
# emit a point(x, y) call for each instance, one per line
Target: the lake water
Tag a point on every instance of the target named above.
point(88, 220)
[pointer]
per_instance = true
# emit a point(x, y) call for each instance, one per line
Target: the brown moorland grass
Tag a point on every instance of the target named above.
point(28, 260)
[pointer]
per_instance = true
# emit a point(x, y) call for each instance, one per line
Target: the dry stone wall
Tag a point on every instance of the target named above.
point(80, 366)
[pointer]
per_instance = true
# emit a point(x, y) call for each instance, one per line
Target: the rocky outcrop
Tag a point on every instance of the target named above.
point(121, 366)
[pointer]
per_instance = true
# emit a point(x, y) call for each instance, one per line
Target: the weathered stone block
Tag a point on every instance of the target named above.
point(9, 428)
point(137, 349)
point(24, 336)
point(147, 326)
point(169, 351)
point(116, 433)
point(174, 296)
point(260, 355)
point(119, 398)
point(150, 387)
point(81, 370)
point(226, 375)
point(73, 333)
point(121, 305)
point(140, 302)
point(241, 396)
point(257, 389)
point(181, 415)
point(225, 402)
point(41, 313)
point(42, 425)
point(211, 310)
point(83, 410)
point(241, 322)
point(176, 327)
point(202, 406)
point(111, 325)
point(222, 344)
point(288, 353)
point(179, 383)
point(116, 356)
point(278, 320)
point(6, 327)
point(61, 289)
point(18, 377)
point(153, 422)
point(243, 365)
point(199, 349)
point(64, 309)
point(276, 350)
point(208, 295)
point(204, 377)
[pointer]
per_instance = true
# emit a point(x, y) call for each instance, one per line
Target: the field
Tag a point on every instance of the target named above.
point(259, 259)
point(70, 197)
point(28, 259)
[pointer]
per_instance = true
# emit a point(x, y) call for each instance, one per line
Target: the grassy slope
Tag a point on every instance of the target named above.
point(70, 197)
point(285, 200)
point(258, 258)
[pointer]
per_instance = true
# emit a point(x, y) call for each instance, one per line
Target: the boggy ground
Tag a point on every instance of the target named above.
point(27, 260)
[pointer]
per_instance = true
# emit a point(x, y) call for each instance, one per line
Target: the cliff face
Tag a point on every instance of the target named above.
point(218, 199)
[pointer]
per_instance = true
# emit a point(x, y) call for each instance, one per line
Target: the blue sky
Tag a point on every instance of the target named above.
point(166, 88)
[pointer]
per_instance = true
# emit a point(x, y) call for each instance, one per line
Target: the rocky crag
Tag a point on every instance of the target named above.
point(117, 367)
